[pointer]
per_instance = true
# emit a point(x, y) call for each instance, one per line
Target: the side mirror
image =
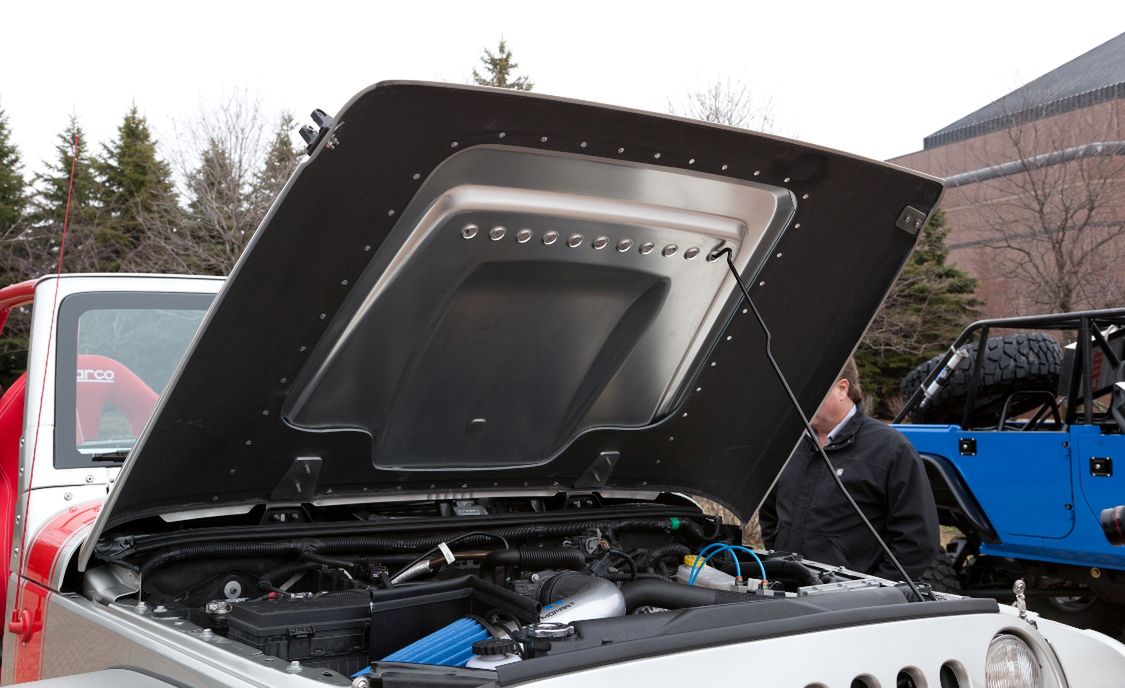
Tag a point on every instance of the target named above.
point(1113, 524)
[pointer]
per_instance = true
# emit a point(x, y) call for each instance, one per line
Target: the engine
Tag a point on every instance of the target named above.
point(358, 604)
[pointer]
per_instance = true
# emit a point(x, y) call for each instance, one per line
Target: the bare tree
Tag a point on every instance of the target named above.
point(727, 101)
point(219, 164)
point(1051, 210)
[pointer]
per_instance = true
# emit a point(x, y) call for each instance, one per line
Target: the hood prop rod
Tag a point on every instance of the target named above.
point(804, 419)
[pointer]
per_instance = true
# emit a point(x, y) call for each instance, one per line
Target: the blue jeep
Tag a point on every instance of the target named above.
point(1025, 447)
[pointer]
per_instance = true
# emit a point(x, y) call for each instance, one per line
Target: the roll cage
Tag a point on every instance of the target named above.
point(1095, 331)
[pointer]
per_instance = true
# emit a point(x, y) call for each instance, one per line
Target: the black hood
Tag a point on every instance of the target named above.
point(468, 289)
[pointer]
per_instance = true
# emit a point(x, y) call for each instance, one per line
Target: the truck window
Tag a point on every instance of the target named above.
point(117, 352)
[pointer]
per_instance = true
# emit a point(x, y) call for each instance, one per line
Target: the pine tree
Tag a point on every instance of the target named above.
point(13, 187)
point(136, 187)
point(49, 209)
point(928, 306)
point(13, 205)
point(281, 160)
point(499, 68)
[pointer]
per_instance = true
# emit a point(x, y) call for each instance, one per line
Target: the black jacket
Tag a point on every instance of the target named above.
point(806, 513)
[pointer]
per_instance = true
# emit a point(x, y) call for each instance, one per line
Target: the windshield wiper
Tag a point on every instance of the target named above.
point(115, 456)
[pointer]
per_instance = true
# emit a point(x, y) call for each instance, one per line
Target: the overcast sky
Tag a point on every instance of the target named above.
point(868, 78)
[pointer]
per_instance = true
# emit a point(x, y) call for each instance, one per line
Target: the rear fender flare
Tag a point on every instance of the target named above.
point(951, 492)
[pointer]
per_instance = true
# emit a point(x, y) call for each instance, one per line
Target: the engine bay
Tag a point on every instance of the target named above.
point(484, 586)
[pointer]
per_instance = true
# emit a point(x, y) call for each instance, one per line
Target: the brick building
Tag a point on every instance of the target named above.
point(1035, 191)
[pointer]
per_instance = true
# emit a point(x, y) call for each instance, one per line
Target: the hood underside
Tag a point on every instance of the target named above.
point(470, 289)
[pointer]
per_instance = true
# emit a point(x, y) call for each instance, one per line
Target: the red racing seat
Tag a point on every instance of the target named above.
point(103, 381)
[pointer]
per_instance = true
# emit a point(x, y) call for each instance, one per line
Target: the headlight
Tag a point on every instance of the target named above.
point(1011, 664)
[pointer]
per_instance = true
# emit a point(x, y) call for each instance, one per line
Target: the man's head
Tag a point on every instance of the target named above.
point(845, 393)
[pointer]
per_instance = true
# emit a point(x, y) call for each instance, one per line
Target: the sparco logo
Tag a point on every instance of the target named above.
point(95, 375)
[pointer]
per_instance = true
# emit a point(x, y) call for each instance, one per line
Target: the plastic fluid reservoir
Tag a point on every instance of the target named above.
point(707, 577)
point(489, 654)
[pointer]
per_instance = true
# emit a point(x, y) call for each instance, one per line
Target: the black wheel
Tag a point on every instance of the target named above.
point(1012, 363)
point(942, 577)
point(1081, 611)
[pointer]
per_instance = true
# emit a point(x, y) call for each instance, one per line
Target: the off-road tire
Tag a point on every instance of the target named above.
point(941, 576)
point(1014, 362)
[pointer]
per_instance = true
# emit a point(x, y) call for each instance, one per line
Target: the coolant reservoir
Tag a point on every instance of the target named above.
point(707, 577)
point(489, 654)
point(491, 661)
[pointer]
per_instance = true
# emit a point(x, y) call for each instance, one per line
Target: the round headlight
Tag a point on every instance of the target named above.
point(1011, 664)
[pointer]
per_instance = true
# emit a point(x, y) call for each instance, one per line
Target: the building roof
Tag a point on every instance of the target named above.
point(1093, 77)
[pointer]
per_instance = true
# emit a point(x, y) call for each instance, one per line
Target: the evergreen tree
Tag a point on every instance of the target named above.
point(13, 204)
point(499, 68)
point(13, 188)
point(136, 187)
point(281, 160)
point(49, 209)
point(928, 306)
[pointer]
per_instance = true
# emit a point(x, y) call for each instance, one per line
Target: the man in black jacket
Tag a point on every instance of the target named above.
point(806, 513)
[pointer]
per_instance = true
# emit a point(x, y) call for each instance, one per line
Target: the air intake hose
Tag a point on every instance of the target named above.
point(669, 595)
point(498, 561)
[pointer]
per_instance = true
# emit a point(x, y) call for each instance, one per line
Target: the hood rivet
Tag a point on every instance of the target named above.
point(502, 134)
point(647, 248)
point(757, 172)
point(670, 250)
point(762, 283)
point(454, 144)
point(656, 156)
point(523, 236)
point(469, 231)
point(624, 245)
point(416, 176)
point(724, 168)
point(806, 197)
point(67, 496)
point(574, 241)
point(497, 233)
point(786, 180)
point(89, 479)
point(550, 237)
point(600, 243)
point(691, 161)
point(390, 213)
point(620, 150)
point(542, 139)
point(582, 145)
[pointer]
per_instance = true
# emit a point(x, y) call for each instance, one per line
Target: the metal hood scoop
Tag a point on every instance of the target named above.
point(470, 289)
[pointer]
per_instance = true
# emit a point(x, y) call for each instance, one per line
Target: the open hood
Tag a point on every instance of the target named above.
point(474, 290)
